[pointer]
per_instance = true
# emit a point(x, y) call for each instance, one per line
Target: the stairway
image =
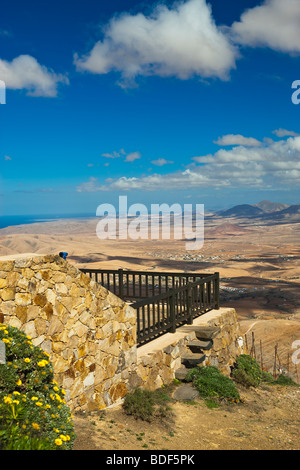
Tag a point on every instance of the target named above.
point(195, 355)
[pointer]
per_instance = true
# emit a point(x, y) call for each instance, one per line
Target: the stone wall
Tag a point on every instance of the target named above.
point(158, 361)
point(89, 333)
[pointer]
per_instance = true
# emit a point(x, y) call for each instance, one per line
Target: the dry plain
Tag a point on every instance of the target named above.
point(259, 266)
point(258, 262)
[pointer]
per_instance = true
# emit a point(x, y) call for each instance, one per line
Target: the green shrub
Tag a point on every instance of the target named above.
point(246, 371)
point(285, 380)
point(211, 383)
point(146, 404)
point(267, 377)
point(33, 411)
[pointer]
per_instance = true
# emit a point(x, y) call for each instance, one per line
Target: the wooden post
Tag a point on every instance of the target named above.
point(261, 357)
point(172, 312)
point(189, 306)
point(217, 291)
point(121, 293)
point(246, 341)
point(275, 365)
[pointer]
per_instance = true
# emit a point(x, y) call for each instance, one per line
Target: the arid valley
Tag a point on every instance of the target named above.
point(257, 256)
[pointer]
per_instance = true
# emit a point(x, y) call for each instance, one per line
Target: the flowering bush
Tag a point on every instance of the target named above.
point(33, 411)
point(246, 371)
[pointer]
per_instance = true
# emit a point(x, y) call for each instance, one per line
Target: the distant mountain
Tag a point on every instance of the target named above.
point(290, 213)
point(242, 210)
point(268, 206)
point(265, 210)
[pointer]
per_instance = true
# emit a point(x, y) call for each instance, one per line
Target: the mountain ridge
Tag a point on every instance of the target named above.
point(265, 210)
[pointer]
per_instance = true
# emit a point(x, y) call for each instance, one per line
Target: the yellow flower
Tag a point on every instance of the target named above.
point(27, 359)
point(42, 363)
point(5, 340)
point(56, 389)
point(28, 337)
point(63, 438)
point(19, 382)
point(16, 393)
point(56, 430)
point(58, 442)
point(35, 426)
point(34, 398)
point(47, 407)
point(38, 403)
point(7, 400)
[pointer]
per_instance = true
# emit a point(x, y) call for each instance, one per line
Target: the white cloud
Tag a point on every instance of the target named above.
point(181, 41)
point(161, 162)
point(274, 24)
point(237, 139)
point(7, 158)
point(131, 157)
point(114, 154)
point(121, 153)
point(276, 165)
point(24, 72)
point(285, 133)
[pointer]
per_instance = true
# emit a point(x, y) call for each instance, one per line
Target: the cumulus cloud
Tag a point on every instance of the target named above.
point(237, 139)
point(285, 133)
point(131, 157)
point(114, 154)
point(181, 41)
point(276, 165)
point(274, 24)
point(161, 162)
point(24, 72)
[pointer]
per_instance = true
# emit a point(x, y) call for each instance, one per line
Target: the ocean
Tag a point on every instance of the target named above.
point(10, 220)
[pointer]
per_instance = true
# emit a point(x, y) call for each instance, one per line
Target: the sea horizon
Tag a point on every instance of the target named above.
point(13, 220)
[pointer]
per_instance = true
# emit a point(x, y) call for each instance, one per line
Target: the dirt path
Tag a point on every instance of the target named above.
point(268, 420)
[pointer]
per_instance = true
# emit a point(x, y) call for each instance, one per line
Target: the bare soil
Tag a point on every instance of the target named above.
point(269, 419)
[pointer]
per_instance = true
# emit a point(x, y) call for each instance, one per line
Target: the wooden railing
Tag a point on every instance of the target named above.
point(162, 300)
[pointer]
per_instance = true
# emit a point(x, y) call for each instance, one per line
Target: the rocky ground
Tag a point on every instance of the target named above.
point(269, 419)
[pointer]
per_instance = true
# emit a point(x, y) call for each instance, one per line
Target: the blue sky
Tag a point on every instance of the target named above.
point(185, 102)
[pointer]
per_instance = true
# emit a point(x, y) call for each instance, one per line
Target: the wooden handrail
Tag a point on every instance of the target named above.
point(171, 306)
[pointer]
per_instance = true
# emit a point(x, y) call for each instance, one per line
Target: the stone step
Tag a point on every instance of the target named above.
point(197, 346)
point(181, 373)
point(192, 360)
point(206, 332)
point(186, 392)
